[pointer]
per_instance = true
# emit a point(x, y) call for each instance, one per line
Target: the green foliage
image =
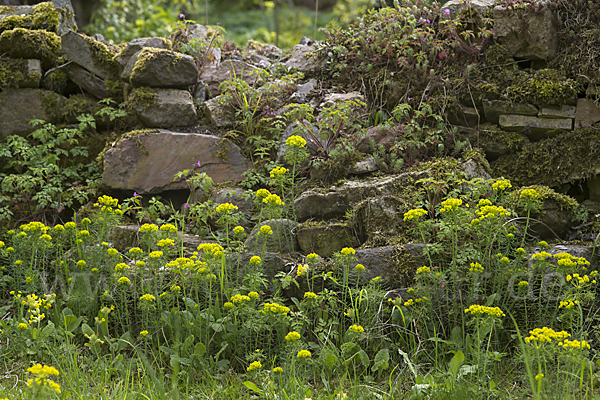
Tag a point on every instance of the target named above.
point(545, 87)
point(43, 177)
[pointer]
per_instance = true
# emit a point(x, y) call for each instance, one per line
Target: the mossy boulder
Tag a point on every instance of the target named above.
point(325, 240)
point(57, 16)
point(138, 45)
point(160, 68)
point(23, 43)
point(92, 55)
point(163, 108)
point(395, 265)
point(19, 106)
point(20, 73)
point(553, 162)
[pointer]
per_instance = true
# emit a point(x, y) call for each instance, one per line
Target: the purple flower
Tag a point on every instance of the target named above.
point(199, 164)
point(261, 63)
point(227, 73)
point(428, 21)
point(447, 11)
point(182, 16)
point(136, 195)
point(186, 205)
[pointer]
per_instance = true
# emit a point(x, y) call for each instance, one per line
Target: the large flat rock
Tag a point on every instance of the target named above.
point(160, 68)
point(19, 106)
point(147, 161)
point(91, 54)
point(538, 126)
point(170, 107)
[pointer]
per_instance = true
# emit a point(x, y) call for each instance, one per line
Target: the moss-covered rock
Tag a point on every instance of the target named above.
point(545, 87)
point(19, 73)
point(41, 16)
point(23, 43)
point(56, 81)
point(160, 68)
point(552, 162)
point(91, 54)
point(325, 240)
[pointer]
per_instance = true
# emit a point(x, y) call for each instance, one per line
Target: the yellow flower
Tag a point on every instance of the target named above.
point(240, 298)
point(523, 284)
point(170, 228)
point(357, 328)
point(359, 268)
point(484, 310)
point(544, 335)
point(238, 230)
point(81, 263)
point(262, 193)
point(450, 205)
point(112, 252)
point(165, 242)
point(123, 280)
point(539, 376)
point(272, 200)
point(144, 332)
point(140, 264)
point(529, 194)
point(156, 254)
point(278, 171)
point(175, 288)
point(301, 269)
point(148, 297)
point(541, 255)
point(253, 295)
point(295, 141)
point(43, 371)
point(120, 267)
point(310, 295)
point(501, 185)
point(292, 336)
point(70, 225)
point(312, 256)
point(59, 228)
point(278, 370)
point(228, 305)
point(423, 269)
point(84, 233)
point(147, 228)
point(412, 214)
point(303, 354)
point(255, 260)
point(226, 208)
point(476, 267)
point(22, 326)
point(254, 365)
point(46, 237)
point(543, 244)
point(275, 308)
point(1, 244)
point(265, 230)
point(347, 251)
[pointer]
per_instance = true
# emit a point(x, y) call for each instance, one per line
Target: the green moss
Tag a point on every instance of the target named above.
point(23, 43)
point(403, 268)
point(52, 106)
point(56, 81)
point(102, 55)
point(116, 90)
point(563, 201)
point(149, 54)
point(142, 98)
point(438, 168)
point(545, 87)
point(478, 155)
point(77, 105)
point(495, 140)
point(15, 21)
point(13, 72)
point(553, 162)
point(45, 16)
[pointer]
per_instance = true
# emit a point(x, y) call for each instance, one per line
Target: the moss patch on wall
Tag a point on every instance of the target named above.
point(44, 16)
point(142, 98)
point(13, 71)
point(23, 43)
point(552, 162)
point(545, 87)
point(103, 55)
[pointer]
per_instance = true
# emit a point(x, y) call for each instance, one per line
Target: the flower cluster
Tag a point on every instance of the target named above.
point(347, 251)
point(411, 302)
point(451, 205)
point(40, 382)
point(238, 230)
point(262, 193)
point(476, 267)
point(567, 304)
point(210, 249)
point(276, 309)
point(545, 334)
point(357, 328)
point(255, 260)
point(292, 336)
point(529, 194)
point(501, 185)
point(574, 345)
point(108, 204)
point(123, 280)
point(226, 208)
point(423, 269)
point(165, 242)
point(578, 281)
point(310, 295)
point(265, 230)
point(273, 200)
point(254, 365)
point(146, 228)
point(278, 172)
point(148, 297)
point(303, 354)
point(295, 141)
point(240, 298)
point(412, 214)
point(169, 228)
point(34, 228)
point(542, 255)
point(484, 310)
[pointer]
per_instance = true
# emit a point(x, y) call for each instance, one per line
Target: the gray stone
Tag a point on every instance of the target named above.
point(538, 126)
point(563, 111)
point(160, 68)
point(467, 116)
point(123, 237)
point(19, 106)
point(303, 59)
point(379, 219)
point(254, 48)
point(172, 108)
point(21, 73)
point(281, 241)
point(214, 75)
point(325, 240)
point(395, 265)
point(594, 188)
point(380, 135)
point(456, 6)
point(473, 170)
point(138, 45)
point(39, 20)
point(87, 81)
point(587, 113)
point(494, 108)
point(146, 161)
point(334, 98)
point(299, 96)
point(338, 199)
point(235, 196)
point(365, 166)
point(92, 55)
point(554, 221)
point(534, 39)
point(219, 114)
